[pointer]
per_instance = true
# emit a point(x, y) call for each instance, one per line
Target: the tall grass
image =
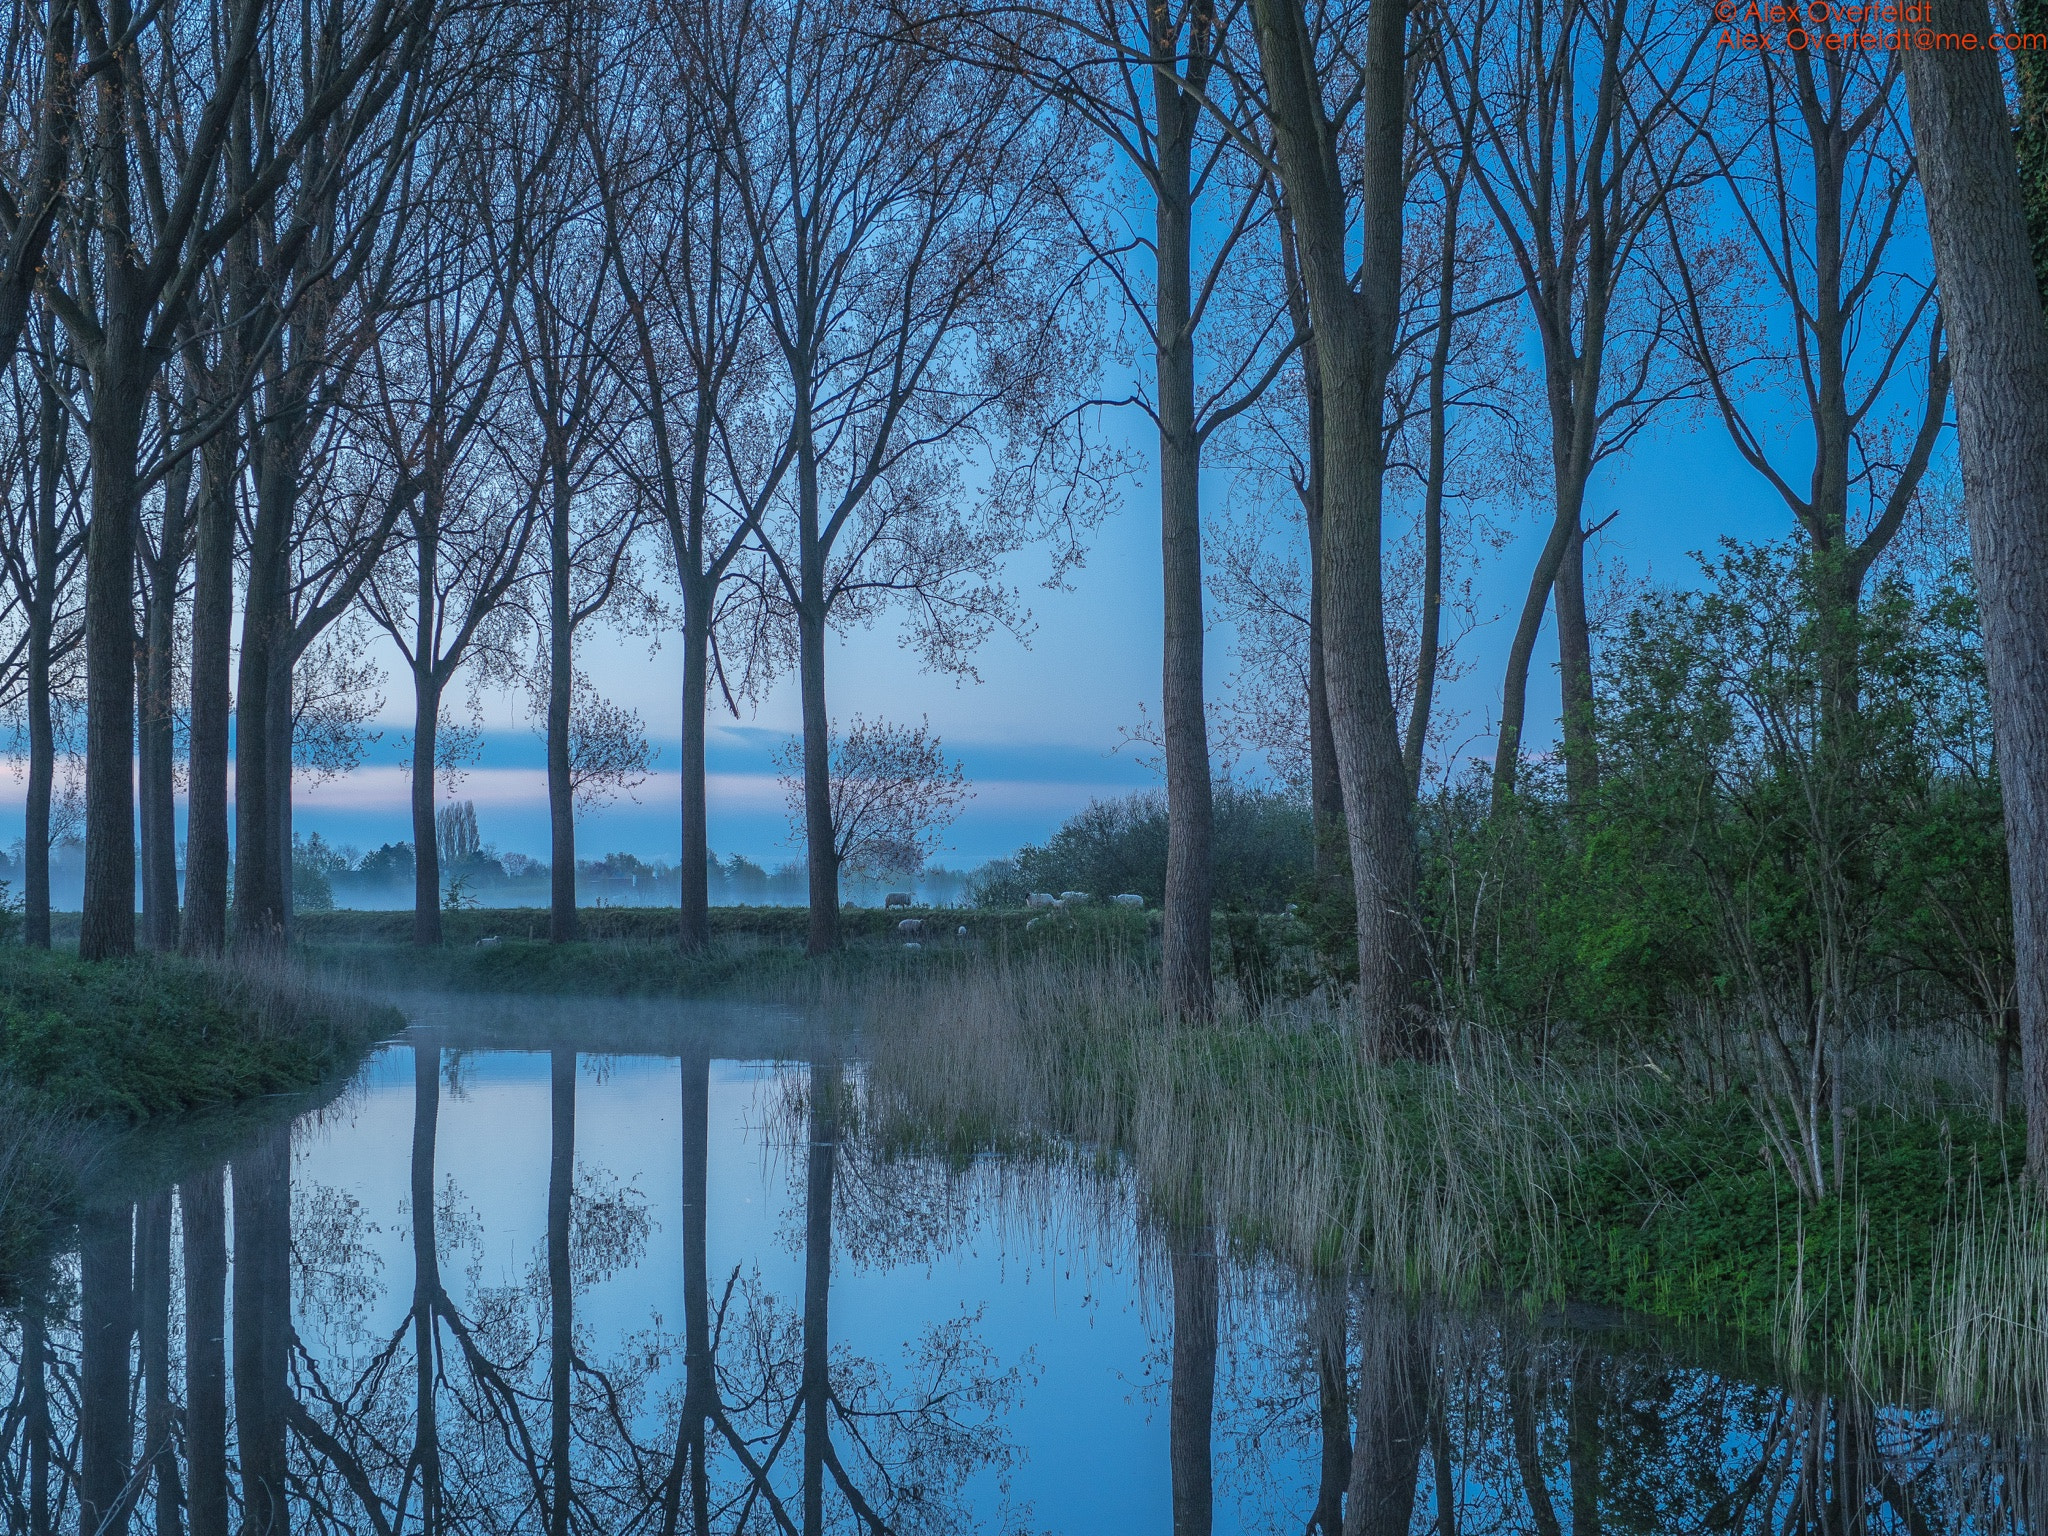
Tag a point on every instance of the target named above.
point(1491, 1170)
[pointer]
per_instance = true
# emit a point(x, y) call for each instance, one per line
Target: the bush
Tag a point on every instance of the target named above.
point(1263, 844)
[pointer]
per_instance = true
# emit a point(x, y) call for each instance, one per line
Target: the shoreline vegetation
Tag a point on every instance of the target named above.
point(1602, 1168)
point(1630, 1173)
point(91, 1049)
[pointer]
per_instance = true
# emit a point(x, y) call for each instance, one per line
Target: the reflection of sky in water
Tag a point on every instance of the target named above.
point(1059, 1285)
point(1076, 1310)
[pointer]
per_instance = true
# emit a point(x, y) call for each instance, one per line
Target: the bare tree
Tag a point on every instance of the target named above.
point(467, 523)
point(684, 269)
point(1991, 306)
point(1816, 165)
point(43, 545)
point(1581, 121)
point(570, 331)
point(1145, 80)
point(1317, 101)
point(168, 88)
point(911, 264)
point(308, 284)
point(893, 795)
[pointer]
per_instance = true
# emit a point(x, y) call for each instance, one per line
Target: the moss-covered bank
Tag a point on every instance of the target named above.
point(88, 1049)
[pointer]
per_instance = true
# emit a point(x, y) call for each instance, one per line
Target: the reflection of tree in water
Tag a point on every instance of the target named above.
point(1463, 1426)
point(819, 1438)
point(151, 1385)
point(490, 1414)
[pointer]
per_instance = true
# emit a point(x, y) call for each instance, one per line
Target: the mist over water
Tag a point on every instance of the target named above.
point(650, 1267)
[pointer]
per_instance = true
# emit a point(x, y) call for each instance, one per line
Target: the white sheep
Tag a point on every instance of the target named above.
point(911, 925)
point(1073, 898)
point(1128, 899)
point(896, 899)
point(1041, 899)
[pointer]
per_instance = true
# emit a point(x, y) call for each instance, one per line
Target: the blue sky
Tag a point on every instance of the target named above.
point(1039, 733)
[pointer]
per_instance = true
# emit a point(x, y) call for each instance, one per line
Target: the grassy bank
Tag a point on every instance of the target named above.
point(631, 951)
point(1596, 1175)
point(87, 1049)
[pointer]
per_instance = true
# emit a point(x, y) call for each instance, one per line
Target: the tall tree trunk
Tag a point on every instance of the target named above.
point(259, 895)
point(426, 879)
point(1192, 1410)
point(157, 718)
point(262, 1327)
point(35, 1407)
point(561, 1286)
point(1354, 347)
point(1186, 983)
point(1393, 1421)
point(51, 430)
point(107, 924)
point(1991, 305)
point(820, 837)
point(282, 727)
point(206, 798)
point(1429, 636)
point(561, 665)
point(1325, 784)
point(1325, 789)
point(426, 1281)
point(1575, 672)
point(145, 774)
point(1329, 1329)
point(817, 1381)
point(696, 890)
point(106, 1429)
point(700, 1385)
point(1514, 692)
point(202, 1209)
point(153, 1305)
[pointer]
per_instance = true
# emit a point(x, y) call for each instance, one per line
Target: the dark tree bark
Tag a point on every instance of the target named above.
point(1325, 787)
point(561, 677)
point(106, 1428)
point(1393, 1405)
point(205, 929)
point(700, 1385)
point(1575, 671)
point(35, 1410)
point(54, 546)
point(202, 1207)
point(1192, 1410)
point(823, 1159)
point(1187, 983)
point(153, 1305)
point(426, 1282)
point(262, 1327)
point(561, 1288)
point(1354, 330)
point(1330, 1332)
point(107, 921)
point(1998, 345)
point(163, 571)
point(29, 210)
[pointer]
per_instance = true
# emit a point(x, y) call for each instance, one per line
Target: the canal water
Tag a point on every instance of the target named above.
point(575, 1267)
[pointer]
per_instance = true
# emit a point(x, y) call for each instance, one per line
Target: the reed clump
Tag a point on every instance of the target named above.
point(1583, 1172)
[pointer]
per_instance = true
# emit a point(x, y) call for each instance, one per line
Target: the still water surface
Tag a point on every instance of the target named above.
point(649, 1273)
